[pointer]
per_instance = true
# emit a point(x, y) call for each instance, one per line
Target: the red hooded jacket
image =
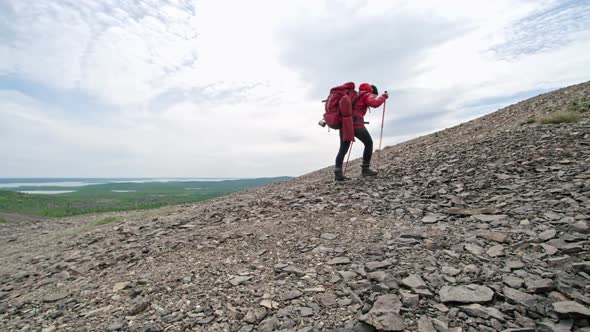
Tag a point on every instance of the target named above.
point(365, 100)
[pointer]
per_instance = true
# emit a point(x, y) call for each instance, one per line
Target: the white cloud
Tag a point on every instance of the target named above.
point(222, 88)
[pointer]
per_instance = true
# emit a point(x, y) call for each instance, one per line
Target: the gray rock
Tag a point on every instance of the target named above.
point(518, 297)
point(514, 264)
point(548, 234)
point(430, 219)
point(56, 297)
point(425, 325)
point(494, 236)
point(339, 261)
point(582, 266)
point(269, 324)
point(581, 226)
point(490, 218)
point(562, 326)
point(450, 270)
point(571, 308)
point(549, 249)
point(496, 251)
point(372, 266)
point(384, 315)
point(151, 327)
point(239, 280)
point(474, 249)
point(414, 281)
point(139, 307)
point(410, 300)
point(513, 282)
point(540, 285)
point(116, 325)
point(471, 293)
point(328, 236)
point(120, 286)
point(291, 295)
point(477, 310)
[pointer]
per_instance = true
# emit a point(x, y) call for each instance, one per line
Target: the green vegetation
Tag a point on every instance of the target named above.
point(132, 196)
point(2, 220)
point(573, 114)
point(104, 221)
point(560, 117)
point(580, 105)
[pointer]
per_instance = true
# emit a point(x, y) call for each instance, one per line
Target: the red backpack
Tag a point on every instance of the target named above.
point(332, 115)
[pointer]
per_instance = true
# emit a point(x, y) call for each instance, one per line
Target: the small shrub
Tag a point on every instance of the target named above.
point(531, 120)
point(3, 221)
point(560, 117)
point(580, 105)
point(104, 221)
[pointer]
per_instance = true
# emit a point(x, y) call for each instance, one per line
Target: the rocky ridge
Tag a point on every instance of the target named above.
point(480, 227)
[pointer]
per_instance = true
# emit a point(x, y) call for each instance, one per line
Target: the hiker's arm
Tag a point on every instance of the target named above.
point(373, 101)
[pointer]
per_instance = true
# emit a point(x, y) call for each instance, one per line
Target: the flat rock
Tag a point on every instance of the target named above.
point(562, 326)
point(582, 266)
point(540, 285)
point(139, 307)
point(120, 286)
point(384, 315)
point(548, 234)
point(471, 293)
point(328, 236)
point(516, 296)
point(430, 219)
point(410, 300)
point(239, 280)
point(514, 264)
point(571, 308)
point(496, 251)
point(414, 281)
point(494, 236)
point(490, 218)
point(513, 282)
point(477, 310)
point(449, 270)
point(425, 325)
point(372, 266)
point(55, 297)
point(474, 249)
point(581, 226)
point(339, 261)
point(291, 295)
point(116, 325)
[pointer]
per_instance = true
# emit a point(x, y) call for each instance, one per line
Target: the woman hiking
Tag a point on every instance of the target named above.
point(367, 98)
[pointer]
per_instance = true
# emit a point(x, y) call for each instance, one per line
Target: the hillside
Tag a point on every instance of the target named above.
point(480, 227)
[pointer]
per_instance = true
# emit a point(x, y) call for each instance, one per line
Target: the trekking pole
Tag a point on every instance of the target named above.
point(347, 159)
point(382, 120)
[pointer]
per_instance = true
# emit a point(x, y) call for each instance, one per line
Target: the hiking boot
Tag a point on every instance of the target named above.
point(367, 171)
point(339, 176)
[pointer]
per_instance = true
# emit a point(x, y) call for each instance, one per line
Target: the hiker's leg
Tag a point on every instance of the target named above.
point(363, 135)
point(341, 152)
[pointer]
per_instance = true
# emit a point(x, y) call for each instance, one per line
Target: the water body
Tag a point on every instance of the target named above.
point(47, 192)
point(124, 191)
point(77, 182)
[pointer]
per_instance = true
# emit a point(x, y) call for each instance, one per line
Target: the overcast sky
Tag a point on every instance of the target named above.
point(233, 88)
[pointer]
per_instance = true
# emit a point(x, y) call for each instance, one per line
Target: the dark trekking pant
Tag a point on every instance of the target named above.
point(363, 135)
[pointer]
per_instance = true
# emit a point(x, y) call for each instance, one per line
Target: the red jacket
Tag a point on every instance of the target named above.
point(365, 100)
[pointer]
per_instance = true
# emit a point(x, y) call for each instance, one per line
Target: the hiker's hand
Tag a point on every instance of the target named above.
point(385, 95)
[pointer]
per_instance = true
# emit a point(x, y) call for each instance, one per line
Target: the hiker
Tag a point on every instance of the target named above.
point(367, 97)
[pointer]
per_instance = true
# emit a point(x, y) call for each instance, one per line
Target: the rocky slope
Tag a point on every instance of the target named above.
point(480, 227)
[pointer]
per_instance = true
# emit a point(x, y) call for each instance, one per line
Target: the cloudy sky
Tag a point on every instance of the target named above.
point(223, 88)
